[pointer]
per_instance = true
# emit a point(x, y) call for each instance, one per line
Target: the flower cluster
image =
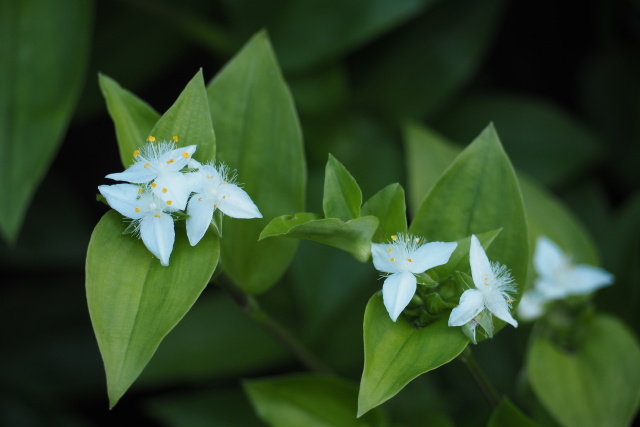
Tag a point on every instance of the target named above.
point(558, 278)
point(164, 180)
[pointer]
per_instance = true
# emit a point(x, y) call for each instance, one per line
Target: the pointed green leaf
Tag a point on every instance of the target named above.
point(507, 414)
point(309, 400)
point(132, 117)
point(134, 301)
point(342, 196)
point(352, 236)
point(596, 384)
point(396, 353)
point(477, 193)
point(259, 135)
point(389, 206)
point(189, 119)
point(43, 46)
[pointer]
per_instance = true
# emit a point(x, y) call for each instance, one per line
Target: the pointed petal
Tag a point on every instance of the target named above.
point(236, 203)
point(531, 305)
point(123, 198)
point(136, 173)
point(158, 235)
point(178, 158)
point(200, 211)
point(550, 289)
point(587, 278)
point(471, 304)
point(397, 291)
point(480, 266)
point(431, 255)
point(174, 188)
point(547, 258)
point(382, 257)
point(500, 308)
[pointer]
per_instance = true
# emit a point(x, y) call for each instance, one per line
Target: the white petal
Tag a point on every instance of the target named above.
point(200, 211)
point(547, 258)
point(397, 291)
point(480, 266)
point(471, 304)
point(136, 173)
point(550, 288)
point(122, 197)
point(382, 258)
point(174, 188)
point(531, 305)
point(500, 308)
point(158, 235)
point(178, 158)
point(587, 278)
point(431, 255)
point(236, 203)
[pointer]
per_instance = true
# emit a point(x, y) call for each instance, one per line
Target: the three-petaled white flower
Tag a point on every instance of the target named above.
point(213, 190)
point(402, 257)
point(493, 283)
point(159, 165)
point(558, 278)
point(151, 216)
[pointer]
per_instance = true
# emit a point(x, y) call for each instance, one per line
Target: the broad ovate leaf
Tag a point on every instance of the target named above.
point(44, 47)
point(396, 353)
point(258, 134)
point(134, 302)
point(595, 384)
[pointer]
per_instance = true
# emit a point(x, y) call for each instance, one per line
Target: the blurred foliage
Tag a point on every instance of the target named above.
point(560, 84)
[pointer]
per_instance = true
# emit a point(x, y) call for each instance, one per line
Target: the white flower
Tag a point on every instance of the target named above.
point(213, 190)
point(401, 258)
point(493, 283)
point(558, 278)
point(151, 216)
point(159, 165)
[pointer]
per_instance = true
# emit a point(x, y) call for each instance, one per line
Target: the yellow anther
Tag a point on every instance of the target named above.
point(170, 161)
point(509, 301)
point(224, 182)
point(140, 190)
point(392, 259)
point(175, 138)
point(157, 216)
point(146, 165)
point(209, 176)
point(409, 259)
point(407, 239)
point(417, 240)
point(185, 154)
point(199, 199)
point(215, 205)
point(394, 238)
point(169, 202)
point(151, 139)
point(224, 197)
point(137, 209)
point(154, 185)
point(136, 153)
point(389, 251)
point(164, 190)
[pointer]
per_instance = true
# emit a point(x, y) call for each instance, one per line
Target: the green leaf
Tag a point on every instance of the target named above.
point(508, 415)
point(479, 192)
point(388, 205)
point(342, 196)
point(352, 236)
point(44, 47)
point(596, 384)
point(396, 353)
point(451, 47)
point(308, 400)
point(189, 119)
point(541, 138)
point(259, 135)
point(132, 117)
point(134, 301)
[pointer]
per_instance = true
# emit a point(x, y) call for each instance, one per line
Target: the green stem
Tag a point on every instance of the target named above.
point(253, 309)
point(480, 378)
